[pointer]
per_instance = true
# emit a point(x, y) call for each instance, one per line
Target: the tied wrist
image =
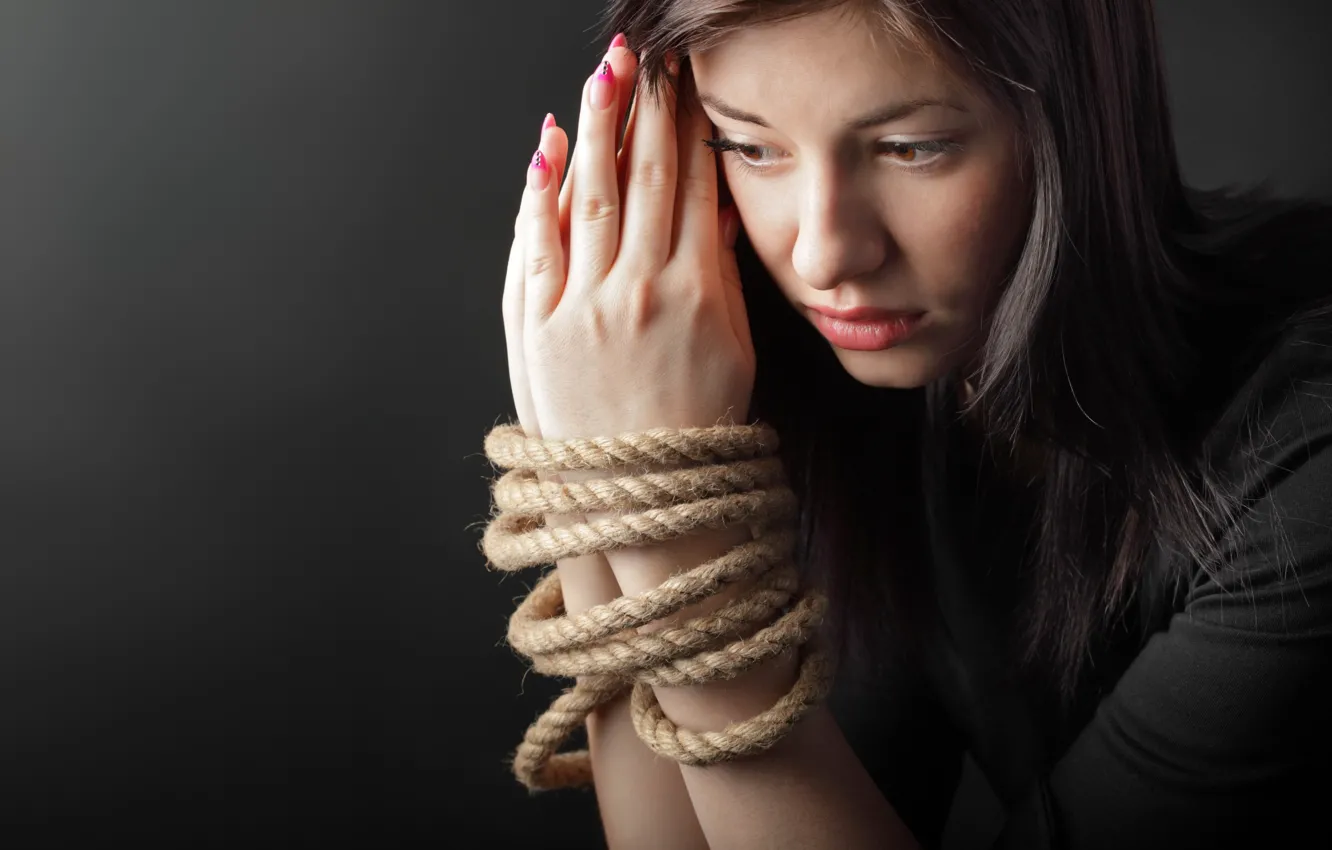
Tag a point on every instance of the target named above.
point(654, 486)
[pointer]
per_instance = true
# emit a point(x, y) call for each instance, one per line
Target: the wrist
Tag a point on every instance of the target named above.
point(586, 581)
point(713, 706)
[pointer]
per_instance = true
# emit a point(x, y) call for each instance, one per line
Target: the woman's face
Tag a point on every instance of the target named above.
point(868, 177)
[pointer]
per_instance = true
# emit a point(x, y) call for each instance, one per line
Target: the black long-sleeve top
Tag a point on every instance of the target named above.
point(1208, 724)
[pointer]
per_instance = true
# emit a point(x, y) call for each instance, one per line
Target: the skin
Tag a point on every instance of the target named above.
point(838, 218)
point(627, 269)
point(627, 772)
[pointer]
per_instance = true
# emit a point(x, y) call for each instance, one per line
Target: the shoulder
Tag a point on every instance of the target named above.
point(1282, 410)
point(1273, 568)
point(1270, 449)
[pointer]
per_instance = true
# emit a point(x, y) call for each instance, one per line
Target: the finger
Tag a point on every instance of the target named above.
point(553, 146)
point(514, 320)
point(594, 219)
point(630, 122)
point(514, 275)
point(736, 310)
point(696, 200)
point(649, 191)
point(624, 63)
point(513, 290)
point(639, 93)
point(543, 260)
point(626, 141)
point(513, 312)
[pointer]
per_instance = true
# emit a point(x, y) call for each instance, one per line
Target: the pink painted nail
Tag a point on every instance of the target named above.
point(603, 86)
point(539, 174)
point(619, 41)
point(548, 123)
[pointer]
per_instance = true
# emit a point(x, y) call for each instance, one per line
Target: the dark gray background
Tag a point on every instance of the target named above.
point(251, 256)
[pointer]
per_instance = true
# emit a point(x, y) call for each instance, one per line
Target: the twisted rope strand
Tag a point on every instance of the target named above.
point(740, 481)
point(536, 628)
point(520, 492)
point(537, 762)
point(748, 737)
point(508, 447)
point(511, 544)
point(654, 649)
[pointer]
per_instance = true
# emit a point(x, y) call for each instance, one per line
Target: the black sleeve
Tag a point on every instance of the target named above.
point(1218, 734)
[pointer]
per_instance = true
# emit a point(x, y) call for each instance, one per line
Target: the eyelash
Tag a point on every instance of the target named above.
point(739, 150)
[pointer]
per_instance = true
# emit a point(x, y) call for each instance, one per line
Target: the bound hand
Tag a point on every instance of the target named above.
point(625, 308)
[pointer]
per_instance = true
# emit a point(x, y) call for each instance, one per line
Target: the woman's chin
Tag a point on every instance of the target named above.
point(902, 367)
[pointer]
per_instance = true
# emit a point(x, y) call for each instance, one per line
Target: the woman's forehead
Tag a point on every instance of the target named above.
point(826, 44)
point(822, 67)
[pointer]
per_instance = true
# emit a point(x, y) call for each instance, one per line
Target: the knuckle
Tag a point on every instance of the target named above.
point(637, 264)
point(693, 294)
point(596, 207)
point(596, 326)
point(699, 187)
point(642, 304)
point(651, 174)
point(540, 263)
point(697, 301)
point(689, 273)
point(538, 216)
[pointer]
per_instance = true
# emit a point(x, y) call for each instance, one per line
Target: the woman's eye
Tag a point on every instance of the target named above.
point(918, 153)
point(747, 155)
point(907, 154)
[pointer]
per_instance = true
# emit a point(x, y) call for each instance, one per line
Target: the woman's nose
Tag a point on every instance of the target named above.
point(840, 238)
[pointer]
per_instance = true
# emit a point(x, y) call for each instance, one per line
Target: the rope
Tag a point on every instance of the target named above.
point(680, 481)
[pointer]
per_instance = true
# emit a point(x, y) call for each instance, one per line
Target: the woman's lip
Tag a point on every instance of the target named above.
point(865, 314)
point(867, 335)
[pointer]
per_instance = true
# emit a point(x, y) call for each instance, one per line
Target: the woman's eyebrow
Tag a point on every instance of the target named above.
point(885, 115)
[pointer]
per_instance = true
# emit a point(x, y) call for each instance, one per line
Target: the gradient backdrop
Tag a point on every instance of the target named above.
point(251, 256)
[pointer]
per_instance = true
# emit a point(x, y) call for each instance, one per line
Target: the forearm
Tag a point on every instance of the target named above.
point(641, 798)
point(810, 791)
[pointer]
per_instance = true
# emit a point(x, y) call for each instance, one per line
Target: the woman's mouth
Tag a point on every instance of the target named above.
point(865, 328)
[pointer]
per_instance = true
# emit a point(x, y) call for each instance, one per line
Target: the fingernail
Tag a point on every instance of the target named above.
point(548, 123)
point(603, 86)
point(538, 175)
point(672, 64)
point(619, 41)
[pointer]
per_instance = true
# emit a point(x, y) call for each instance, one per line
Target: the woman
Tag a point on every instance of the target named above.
point(1069, 483)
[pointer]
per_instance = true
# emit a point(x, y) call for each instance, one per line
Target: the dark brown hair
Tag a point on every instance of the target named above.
point(1097, 348)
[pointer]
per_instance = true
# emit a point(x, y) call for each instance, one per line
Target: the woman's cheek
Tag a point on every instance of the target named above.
point(762, 214)
point(962, 233)
point(997, 200)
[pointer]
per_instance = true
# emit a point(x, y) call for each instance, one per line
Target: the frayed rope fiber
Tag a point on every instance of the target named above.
point(684, 481)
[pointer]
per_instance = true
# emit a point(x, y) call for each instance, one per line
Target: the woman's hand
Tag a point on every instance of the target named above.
point(624, 312)
point(554, 148)
point(587, 580)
